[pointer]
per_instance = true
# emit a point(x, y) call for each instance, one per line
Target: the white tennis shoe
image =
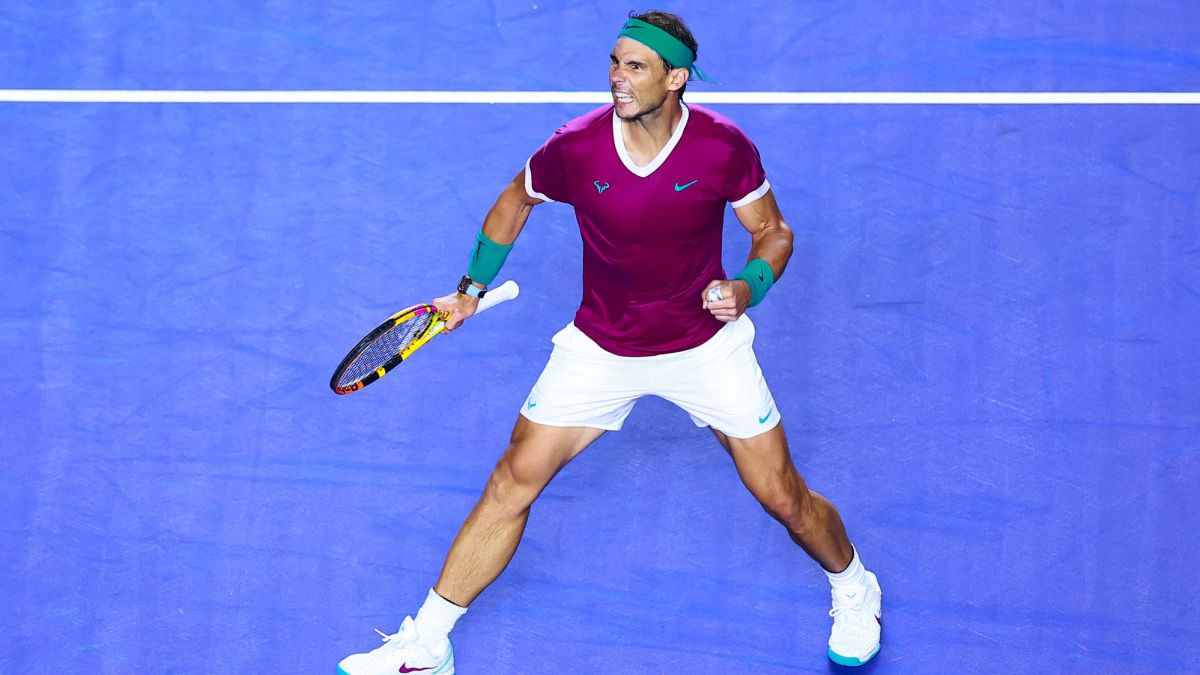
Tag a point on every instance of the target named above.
point(857, 620)
point(400, 653)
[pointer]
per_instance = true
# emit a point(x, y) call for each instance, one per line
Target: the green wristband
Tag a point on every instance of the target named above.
point(760, 276)
point(487, 259)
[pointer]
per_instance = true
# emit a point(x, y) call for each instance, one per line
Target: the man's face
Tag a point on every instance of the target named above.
point(638, 79)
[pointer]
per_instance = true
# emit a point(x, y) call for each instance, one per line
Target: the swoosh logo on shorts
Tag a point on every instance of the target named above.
point(681, 188)
point(530, 404)
point(764, 418)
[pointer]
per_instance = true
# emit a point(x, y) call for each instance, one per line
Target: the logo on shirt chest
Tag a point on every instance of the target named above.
point(602, 186)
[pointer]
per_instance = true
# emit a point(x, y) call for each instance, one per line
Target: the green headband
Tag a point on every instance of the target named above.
point(668, 46)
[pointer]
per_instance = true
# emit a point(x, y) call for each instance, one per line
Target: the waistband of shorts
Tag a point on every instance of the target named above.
point(729, 332)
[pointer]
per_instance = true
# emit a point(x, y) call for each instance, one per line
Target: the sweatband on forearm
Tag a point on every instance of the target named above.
point(487, 259)
point(760, 276)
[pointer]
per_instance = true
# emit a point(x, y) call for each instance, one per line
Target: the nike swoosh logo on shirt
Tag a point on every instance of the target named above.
point(681, 188)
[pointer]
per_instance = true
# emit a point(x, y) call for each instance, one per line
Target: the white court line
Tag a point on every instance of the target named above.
point(729, 97)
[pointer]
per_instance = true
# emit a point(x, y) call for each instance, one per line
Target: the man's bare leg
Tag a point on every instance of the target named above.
point(766, 468)
point(484, 546)
point(488, 539)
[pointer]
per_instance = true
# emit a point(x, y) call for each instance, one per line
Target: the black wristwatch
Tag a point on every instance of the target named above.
point(467, 288)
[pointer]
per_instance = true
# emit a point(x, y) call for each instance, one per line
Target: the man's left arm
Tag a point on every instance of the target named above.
point(770, 243)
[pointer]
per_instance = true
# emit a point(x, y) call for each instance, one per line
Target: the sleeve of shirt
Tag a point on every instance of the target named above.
point(546, 171)
point(746, 178)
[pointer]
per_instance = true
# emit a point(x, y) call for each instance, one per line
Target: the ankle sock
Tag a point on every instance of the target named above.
point(854, 574)
point(436, 618)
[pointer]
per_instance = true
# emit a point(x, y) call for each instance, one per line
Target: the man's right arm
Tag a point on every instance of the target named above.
point(502, 225)
point(508, 215)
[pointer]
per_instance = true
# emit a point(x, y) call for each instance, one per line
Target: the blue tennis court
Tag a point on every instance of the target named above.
point(986, 348)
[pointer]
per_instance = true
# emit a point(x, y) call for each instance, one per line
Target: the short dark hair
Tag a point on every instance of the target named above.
point(675, 27)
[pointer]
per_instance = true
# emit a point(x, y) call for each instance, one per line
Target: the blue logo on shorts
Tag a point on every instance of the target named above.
point(764, 418)
point(530, 404)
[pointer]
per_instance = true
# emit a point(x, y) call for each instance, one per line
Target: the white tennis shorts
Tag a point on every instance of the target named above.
point(718, 384)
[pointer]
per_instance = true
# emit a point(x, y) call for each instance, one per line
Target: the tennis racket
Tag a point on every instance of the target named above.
point(397, 338)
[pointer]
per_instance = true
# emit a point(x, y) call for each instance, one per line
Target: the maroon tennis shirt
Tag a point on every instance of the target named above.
point(652, 234)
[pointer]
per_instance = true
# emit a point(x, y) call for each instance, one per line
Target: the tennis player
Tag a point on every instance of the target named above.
point(649, 178)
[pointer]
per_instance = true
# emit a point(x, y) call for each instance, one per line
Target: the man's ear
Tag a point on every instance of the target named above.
point(677, 78)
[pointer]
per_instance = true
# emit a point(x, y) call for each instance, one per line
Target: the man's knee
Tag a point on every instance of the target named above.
point(514, 485)
point(786, 503)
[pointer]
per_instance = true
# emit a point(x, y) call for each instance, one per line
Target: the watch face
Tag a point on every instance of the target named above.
point(465, 287)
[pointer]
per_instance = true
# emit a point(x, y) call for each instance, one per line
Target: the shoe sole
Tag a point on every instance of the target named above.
point(342, 672)
point(440, 669)
point(850, 660)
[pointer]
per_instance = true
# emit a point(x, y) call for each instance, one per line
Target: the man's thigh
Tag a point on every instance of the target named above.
point(537, 451)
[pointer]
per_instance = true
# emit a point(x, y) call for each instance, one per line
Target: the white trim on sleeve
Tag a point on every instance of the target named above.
point(529, 184)
point(753, 196)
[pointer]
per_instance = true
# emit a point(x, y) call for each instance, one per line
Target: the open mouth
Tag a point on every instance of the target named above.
point(622, 97)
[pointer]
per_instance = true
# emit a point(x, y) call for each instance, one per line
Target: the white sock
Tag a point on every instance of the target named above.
point(436, 618)
point(854, 574)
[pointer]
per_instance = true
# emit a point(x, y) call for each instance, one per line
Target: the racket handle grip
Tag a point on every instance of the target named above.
point(502, 293)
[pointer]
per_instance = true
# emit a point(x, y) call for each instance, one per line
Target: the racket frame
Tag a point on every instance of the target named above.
point(435, 326)
point(502, 293)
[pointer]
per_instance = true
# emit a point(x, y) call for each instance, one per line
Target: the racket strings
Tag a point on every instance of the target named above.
point(386, 346)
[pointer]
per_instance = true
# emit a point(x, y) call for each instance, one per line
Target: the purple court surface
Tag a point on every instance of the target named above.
point(986, 349)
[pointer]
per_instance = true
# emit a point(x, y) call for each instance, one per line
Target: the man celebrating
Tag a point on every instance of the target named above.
point(649, 178)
